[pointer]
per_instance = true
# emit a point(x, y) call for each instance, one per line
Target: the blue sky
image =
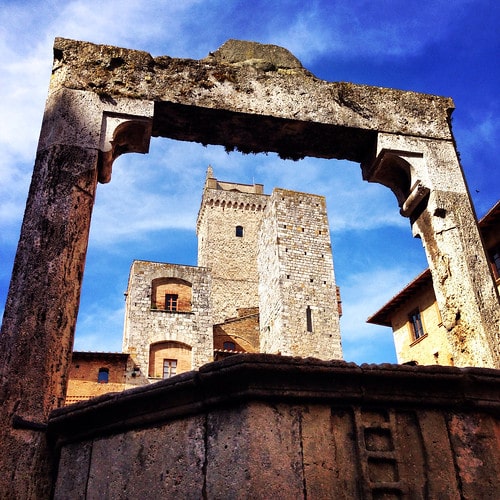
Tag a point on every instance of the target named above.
point(148, 211)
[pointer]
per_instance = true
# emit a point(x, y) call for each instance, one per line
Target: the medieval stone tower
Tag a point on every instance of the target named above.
point(228, 233)
point(299, 311)
point(264, 283)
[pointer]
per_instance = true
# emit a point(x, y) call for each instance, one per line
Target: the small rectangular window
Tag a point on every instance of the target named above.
point(169, 368)
point(171, 301)
point(239, 231)
point(416, 324)
point(103, 376)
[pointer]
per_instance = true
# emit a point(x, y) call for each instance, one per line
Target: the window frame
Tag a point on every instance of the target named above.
point(171, 302)
point(494, 256)
point(171, 365)
point(416, 324)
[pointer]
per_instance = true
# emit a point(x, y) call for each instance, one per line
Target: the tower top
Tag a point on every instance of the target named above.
point(212, 183)
point(209, 175)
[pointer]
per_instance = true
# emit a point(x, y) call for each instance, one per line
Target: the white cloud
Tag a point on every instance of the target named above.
point(100, 329)
point(365, 292)
point(168, 181)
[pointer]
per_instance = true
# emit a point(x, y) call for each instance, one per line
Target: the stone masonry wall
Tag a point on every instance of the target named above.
point(232, 260)
point(145, 325)
point(261, 426)
point(296, 271)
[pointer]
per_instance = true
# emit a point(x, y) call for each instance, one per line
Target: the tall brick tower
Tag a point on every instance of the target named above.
point(298, 306)
point(228, 232)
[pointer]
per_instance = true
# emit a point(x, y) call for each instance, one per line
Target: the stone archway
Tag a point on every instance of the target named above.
point(104, 101)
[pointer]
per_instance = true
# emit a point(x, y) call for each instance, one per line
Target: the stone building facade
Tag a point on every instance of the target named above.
point(420, 335)
point(264, 283)
point(297, 292)
point(177, 333)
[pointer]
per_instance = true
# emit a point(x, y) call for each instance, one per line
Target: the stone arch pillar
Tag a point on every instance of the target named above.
point(81, 136)
point(427, 180)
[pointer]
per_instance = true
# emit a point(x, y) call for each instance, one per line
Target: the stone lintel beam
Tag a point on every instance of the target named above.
point(251, 97)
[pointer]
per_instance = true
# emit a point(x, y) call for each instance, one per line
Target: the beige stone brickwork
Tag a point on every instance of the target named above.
point(260, 257)
point(299, 312)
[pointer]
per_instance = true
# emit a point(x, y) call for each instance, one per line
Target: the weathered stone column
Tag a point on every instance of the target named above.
point(78, 143)
point(428, 181)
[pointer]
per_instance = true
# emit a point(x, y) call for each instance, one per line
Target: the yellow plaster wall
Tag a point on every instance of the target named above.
point(431, 349)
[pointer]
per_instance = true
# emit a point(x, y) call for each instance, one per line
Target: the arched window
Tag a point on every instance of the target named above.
point(171, 294)
point(103, 376)
point(168, 358)
point(229, 346)
point(239, 231)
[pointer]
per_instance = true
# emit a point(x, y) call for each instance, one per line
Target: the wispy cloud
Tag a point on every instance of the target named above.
point(100, 328)
point(366, 29)
point(363, 293)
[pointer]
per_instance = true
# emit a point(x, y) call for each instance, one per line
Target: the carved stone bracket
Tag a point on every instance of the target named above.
point(121, 134)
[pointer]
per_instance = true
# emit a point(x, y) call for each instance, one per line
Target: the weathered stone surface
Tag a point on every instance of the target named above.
point(145, 326)
point(232, 261)
point(240, 51)
point(299, 314)
point(254, 451)
point(220, 100)
point(91, 118)
point(261, 426)
point(36, 341)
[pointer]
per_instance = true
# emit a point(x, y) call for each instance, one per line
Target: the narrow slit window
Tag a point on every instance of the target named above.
point(309, 319)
